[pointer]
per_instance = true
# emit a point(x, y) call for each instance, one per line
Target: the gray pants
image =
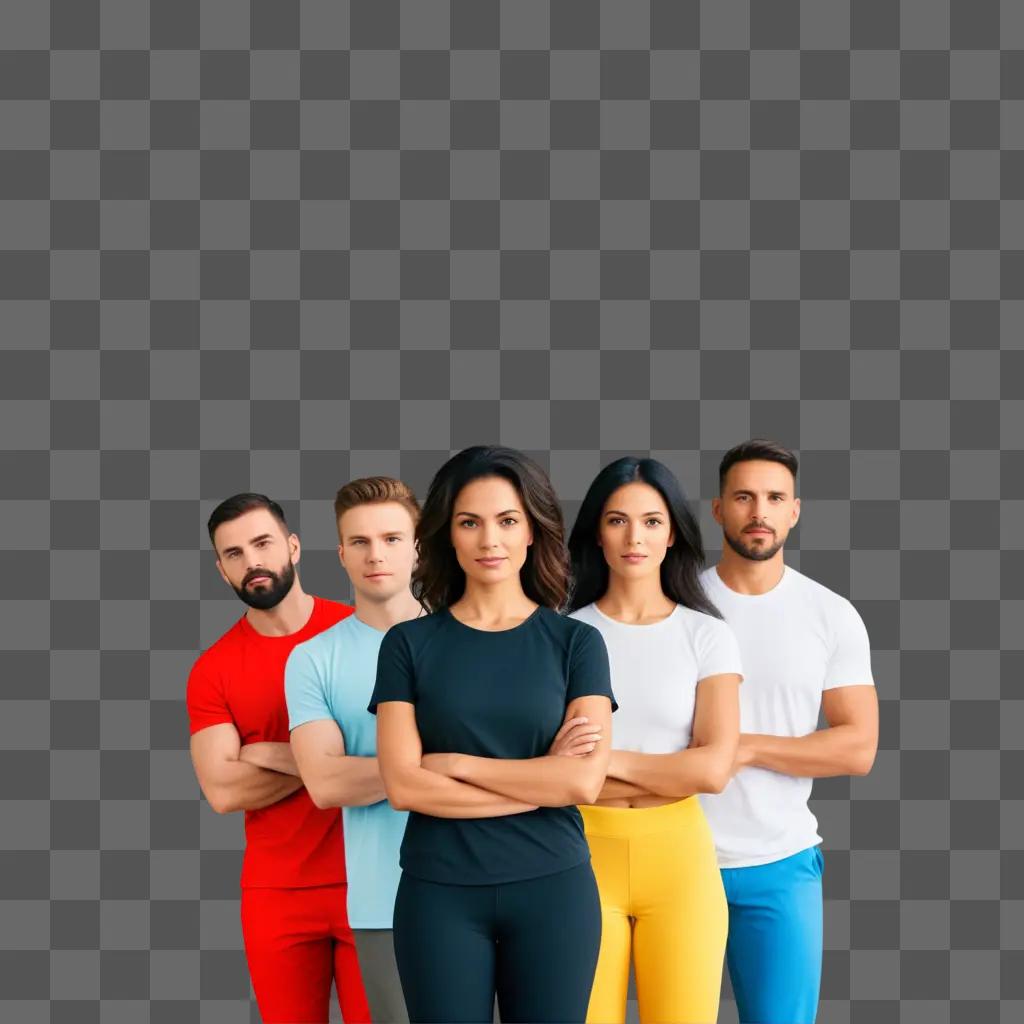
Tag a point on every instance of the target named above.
point(376, 950)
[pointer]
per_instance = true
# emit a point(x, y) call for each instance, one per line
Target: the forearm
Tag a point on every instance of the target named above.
point(275, 757)
point(344, 780)
point(418, 789)
point(678, 775)
point(545, 781)
point(836, 750)
point(238, 786)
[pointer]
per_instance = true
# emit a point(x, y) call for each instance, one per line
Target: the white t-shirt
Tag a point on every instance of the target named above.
point(655, 671)
point(796, 641)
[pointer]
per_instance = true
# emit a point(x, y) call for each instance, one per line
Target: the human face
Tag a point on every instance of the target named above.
point(377, 549)
point(757, 508)
point(635, 532)
point(257, 558)
point(490, 531)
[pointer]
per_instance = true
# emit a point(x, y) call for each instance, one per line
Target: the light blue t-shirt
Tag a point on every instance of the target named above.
point(332, 676)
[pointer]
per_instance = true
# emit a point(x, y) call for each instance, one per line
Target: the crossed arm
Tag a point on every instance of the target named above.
point(846, 747)
point(237, 778)
point(703, 767)
point(332, 777)
point(465, 786)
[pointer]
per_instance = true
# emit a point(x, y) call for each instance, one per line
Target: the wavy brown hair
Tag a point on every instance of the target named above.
point(438, 580)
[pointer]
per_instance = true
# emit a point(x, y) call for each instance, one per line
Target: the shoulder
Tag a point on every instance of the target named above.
point(414, 633)
point(222, 652)
point(331, 612)
point(699, 624)
point(324, 644)
point(585, 614)
point(573, 632)
point(817, 593)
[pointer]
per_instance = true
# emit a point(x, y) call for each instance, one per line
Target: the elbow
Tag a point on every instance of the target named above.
point(863, 761)
point(397, 797)
point(587, 790)
point(220, 801)
point(320, 798)
point(716, 779)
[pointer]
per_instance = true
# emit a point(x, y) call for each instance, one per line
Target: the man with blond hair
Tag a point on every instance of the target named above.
point(328, 682)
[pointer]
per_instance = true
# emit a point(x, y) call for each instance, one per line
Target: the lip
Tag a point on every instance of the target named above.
point(258, 579)
point(634, 558)
point(758, 533)
point(377, 575)
point(490, 563)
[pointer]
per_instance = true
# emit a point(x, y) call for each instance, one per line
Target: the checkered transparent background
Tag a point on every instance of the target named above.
point(274, 245)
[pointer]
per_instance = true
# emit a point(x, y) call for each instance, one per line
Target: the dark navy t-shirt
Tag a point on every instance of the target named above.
point(492, 694)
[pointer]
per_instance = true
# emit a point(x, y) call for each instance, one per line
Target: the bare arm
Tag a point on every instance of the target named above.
point(277, 757)
point(706, 765)
point(411, 787)
point(230, 784)
point(334, 778)
point(846, 747)
point(550, 780)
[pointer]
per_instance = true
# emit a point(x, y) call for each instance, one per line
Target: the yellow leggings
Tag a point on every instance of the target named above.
point(661, 900)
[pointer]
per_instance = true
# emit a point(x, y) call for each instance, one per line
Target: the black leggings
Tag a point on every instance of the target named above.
point(533, 943)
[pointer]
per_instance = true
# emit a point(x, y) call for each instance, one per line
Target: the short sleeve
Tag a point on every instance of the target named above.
point(304, 688)
point(589, 673)
point(718, 651)
point(205, 699)
point(850, 661)
point(396, 677)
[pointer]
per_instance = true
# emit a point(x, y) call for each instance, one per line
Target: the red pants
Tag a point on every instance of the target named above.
point(298, 941)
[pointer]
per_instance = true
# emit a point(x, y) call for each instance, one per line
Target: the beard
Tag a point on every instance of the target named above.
point(753, 554)
point(270, 593)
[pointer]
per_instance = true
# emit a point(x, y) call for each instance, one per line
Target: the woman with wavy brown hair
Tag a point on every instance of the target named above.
point(475, 702)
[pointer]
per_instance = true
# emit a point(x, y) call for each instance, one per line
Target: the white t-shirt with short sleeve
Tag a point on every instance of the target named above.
point(797, 640)
point(655, 671)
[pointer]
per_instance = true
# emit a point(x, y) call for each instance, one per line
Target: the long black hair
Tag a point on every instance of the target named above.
point(438, 580)
point(684, 560)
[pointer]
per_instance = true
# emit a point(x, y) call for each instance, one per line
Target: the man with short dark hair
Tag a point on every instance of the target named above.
point(294, 918)
point(804, 649)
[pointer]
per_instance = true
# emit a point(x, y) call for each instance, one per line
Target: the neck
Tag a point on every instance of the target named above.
point(383, 615)
point(747, 576)
point(635, 600)
point(287, 617)
point(494, 603)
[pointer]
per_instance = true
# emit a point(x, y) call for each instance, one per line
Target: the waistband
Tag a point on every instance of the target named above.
point(638, 821)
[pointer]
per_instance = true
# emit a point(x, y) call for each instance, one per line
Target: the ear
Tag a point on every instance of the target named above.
point(671, 536)
point(223, 574)
point(716, 510)
point(796, 513)
point(294, 547)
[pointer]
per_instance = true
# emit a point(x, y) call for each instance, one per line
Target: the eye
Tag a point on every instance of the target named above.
point(776, 497)
point(392, 539)
point(468, 522)
point(509, 521)
point(615, 520)
point(652, 523)
point(359, 540)
point(262, 543)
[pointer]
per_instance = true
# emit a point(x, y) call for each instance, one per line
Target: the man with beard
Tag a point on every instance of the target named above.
point(804, 649)
point(294, 917)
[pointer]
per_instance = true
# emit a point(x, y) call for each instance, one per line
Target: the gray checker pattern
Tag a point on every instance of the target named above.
point(279, 244)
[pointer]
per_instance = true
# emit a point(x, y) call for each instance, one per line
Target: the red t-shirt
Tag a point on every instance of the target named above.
point(240, 680)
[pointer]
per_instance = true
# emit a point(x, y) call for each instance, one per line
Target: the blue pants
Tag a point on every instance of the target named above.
point(775, 938)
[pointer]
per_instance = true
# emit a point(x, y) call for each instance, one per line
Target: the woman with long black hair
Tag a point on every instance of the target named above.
point(497, 895)
point(636, 553)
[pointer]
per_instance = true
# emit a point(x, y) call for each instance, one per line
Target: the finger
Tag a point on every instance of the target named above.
point(567, 726)
point(584, 748)
point(582, 733)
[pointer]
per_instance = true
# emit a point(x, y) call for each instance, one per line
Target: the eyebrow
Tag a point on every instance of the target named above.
point(772, 493)
point(255, 540)
point(643, 515)
point(473, 515)
point(386, 533)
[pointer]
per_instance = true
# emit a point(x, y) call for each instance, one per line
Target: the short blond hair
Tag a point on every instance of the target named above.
point(375, 490)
